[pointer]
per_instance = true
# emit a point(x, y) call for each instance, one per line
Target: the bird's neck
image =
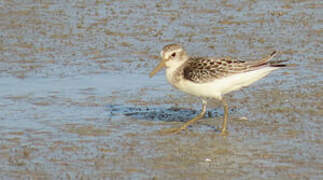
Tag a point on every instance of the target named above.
point(174, 70)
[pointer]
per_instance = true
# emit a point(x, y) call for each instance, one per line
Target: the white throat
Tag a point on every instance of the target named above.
point(171, 68)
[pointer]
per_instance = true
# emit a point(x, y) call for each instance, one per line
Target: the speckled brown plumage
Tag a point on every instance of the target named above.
point(209, 77)
point(206, 69)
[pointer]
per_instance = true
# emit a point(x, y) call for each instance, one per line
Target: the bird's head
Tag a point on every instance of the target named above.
point(171, 55)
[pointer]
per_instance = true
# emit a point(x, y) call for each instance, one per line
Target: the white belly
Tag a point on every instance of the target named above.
point(219, 87)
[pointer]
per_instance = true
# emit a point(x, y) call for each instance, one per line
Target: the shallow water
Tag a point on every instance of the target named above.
point(76, 100)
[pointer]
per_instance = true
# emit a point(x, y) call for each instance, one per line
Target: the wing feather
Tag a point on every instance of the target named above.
point(205, 69)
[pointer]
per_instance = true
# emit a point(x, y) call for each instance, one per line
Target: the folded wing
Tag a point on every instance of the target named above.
point(205, 69)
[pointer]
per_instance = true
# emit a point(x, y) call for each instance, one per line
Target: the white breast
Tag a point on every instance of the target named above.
point(219, 87)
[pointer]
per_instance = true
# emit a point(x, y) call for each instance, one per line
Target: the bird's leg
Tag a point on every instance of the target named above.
point(199, 116)
point(225, 118)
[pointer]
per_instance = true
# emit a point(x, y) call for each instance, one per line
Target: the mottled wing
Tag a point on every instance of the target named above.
point(203, 69)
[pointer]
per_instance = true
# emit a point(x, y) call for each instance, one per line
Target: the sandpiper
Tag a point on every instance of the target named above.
point(210, 77)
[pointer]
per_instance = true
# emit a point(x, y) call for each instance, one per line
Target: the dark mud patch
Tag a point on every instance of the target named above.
point(171, 114)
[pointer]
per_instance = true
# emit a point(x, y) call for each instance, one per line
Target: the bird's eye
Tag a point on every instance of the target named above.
point(173, 55)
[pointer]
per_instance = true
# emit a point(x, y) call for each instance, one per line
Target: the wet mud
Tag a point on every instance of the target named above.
point(76, 101)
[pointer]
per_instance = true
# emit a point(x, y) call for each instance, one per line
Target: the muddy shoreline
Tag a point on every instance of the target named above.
point(76, 101)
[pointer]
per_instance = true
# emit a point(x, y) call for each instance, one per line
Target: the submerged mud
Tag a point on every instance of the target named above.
point(76, 101)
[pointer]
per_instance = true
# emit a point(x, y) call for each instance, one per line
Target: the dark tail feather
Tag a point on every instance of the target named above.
point(266, 62)
point(274, 53)
point(263, 61)
point(281, 63)
point(278, 63)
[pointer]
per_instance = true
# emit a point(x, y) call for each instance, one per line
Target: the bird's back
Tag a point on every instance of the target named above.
point(206, 69)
